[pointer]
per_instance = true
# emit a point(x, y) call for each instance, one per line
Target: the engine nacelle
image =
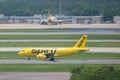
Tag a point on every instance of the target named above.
point(41, 56)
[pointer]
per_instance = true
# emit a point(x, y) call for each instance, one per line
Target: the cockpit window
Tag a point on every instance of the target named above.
point(22, 50)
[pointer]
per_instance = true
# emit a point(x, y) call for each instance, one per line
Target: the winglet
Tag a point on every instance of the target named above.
point(82, 42)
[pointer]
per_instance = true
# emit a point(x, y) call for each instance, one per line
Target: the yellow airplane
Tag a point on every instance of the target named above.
point(51, 19)
point(50, 53)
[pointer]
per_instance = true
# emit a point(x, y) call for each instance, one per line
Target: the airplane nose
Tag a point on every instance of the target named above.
point(20, 53)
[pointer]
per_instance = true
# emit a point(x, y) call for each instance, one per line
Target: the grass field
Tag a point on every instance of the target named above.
point(57, 44)
point(81, 56)
point(64, 36)
point(46, 67)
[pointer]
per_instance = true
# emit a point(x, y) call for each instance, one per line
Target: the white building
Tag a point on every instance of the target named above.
point(116, 19)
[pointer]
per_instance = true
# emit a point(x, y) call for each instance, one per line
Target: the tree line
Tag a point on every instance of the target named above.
point(105, 8)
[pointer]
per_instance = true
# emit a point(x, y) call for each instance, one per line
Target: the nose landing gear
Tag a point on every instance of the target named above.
point(28, 58)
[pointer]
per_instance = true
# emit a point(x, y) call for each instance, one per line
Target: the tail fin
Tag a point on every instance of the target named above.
point(48, 13)
point(81, 43)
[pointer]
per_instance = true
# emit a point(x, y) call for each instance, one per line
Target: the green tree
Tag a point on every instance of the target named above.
point(107, 8)
point(89, 73)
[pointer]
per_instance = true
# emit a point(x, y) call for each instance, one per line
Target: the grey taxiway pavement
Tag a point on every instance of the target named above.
point(38, 26)
point(34, 75)
point(60, 62)
point(59, 33)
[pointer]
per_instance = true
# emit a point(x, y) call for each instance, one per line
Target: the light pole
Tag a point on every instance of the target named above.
point(60, 8)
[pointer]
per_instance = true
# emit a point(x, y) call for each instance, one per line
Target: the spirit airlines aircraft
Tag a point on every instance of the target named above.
point(51, 19)
point(50, 53)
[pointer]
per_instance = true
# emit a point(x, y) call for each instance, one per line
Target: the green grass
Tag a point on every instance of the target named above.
point(90, 73)
point(35, 44)
point(91, 56)
point(57, 44)
point(35, 30)
point(67, 36)
point(10, 55)
point(81, 56)
point(45, 67)
point(103, 44)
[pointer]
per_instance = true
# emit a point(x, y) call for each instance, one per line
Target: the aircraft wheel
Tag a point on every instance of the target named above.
point(28, 58)
point(52, 59)
point(46, 23)
point(55, 23)
point(60, 22)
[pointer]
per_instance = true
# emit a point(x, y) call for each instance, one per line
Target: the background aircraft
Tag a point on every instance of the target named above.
point(51, 20)
point(50, 53)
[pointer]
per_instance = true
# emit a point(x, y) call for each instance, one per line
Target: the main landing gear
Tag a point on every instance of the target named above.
point(28, 58)
point(52, 59)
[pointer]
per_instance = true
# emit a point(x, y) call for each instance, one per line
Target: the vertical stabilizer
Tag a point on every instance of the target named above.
point(82, 42)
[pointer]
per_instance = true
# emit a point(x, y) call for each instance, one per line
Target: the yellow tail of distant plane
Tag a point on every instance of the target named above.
point(50, 53)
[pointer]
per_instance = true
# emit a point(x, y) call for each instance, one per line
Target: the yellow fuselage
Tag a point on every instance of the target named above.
point(56, 51)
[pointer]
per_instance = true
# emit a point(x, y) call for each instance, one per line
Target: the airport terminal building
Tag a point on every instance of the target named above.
point(86, 19)
point(116, 19)
point(37, 18)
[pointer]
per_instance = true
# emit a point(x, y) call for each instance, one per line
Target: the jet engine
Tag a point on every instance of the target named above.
point(41, 56)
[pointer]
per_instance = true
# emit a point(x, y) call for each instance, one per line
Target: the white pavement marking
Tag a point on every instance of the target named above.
point(91, 49)
point(12, 49)
point(105, 49)
point(34, 75)
point(60, 62)
point(59, 40)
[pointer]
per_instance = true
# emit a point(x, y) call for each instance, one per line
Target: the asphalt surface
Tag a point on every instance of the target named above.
point(60, 33)
point(60, 62)
point(37, 26)
point(59, 40)
point(34, 75)
point(73, 31)
point(91, 49)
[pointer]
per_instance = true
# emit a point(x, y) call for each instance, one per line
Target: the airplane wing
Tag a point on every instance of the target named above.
point(45, 21)
point(46, 55)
